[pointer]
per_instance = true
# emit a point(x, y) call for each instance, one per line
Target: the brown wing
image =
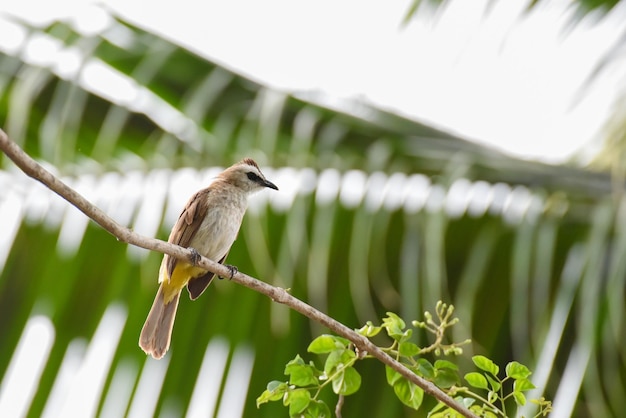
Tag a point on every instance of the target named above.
point(187, 225)
point(197, 285)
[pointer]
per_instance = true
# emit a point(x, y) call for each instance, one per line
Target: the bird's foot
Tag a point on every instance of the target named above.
point(194, 257)
point(232, 269)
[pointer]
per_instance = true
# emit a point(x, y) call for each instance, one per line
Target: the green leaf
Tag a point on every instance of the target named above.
point(347, 381)
point(426, 369)
point(394, 326)
point(477, 380)
point(326, 343)
point(437, 408)
point(446, 378)
point(520, 385)
point(316, 409)
point(296, 360)
point(441, 410)
point(519, 397)
point(517, 370)
point(445, 364)
point(483, 363)
point(409, 394)
point(369, 329)
point(489, 414)
point(336, 358)
point(407, 334)
point(298, 400)
point(446, 413)
point(392, 375)
point(408, 349)
point(274, 392)
point(467, 402)
point(301, 374)
point(495, 384)
point(447, 374)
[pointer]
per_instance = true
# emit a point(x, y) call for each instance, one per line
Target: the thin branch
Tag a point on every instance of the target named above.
point(36, 171)
point(339, 405)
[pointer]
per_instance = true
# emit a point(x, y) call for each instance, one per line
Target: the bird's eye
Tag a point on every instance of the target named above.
point(253, 176)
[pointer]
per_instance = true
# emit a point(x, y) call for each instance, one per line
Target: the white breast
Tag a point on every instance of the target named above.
point(220, 227)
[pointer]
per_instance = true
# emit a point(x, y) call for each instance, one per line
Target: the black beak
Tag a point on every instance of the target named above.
point(269, 184)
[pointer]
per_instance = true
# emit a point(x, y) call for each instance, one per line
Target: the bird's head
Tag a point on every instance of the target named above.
point(247, 176)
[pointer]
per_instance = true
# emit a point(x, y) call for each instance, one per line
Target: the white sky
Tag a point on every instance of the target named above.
point(496, 75)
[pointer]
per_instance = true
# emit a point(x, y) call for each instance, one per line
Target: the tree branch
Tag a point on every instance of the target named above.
point(36, 171)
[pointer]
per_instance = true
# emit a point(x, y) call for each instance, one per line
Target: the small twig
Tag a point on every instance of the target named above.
point(339, 405)
point(36, 171)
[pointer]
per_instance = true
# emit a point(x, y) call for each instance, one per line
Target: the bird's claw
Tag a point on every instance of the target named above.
point(194, 257)
point(232, 269)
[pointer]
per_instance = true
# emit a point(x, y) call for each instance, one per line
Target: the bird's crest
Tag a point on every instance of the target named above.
point(249, 161)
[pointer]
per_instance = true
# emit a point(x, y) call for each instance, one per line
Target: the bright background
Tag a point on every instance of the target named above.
point(531, 83)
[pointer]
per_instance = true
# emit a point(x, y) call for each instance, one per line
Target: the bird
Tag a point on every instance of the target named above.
point(208, 225)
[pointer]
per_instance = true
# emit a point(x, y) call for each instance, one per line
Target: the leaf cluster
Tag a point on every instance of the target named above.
point(494, 403)
point(306, 381)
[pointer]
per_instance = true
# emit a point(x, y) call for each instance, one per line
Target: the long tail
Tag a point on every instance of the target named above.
point(157, 331)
